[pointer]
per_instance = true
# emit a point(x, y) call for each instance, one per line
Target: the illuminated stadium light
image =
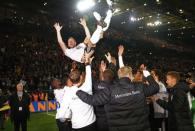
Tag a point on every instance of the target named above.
point(133, 19)
point(156, 23)
point(150, 24)
point(181, 11)
point(85, 5)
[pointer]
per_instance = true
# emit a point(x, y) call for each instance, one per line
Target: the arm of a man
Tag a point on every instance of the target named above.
point(121, 63)
point(152, 88)
point(120, 56)
point(85, 27)
point(87, 32)
point(87, 85)
point(176, 103)
point(112, 67)
point(59, 37)
point(100, 98)
point(61, 42)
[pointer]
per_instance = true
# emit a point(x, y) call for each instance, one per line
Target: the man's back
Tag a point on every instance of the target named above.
point(127, 109)
point(82, 113)
point(125, 104)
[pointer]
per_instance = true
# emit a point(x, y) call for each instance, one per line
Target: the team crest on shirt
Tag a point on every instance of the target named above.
point(78, 47)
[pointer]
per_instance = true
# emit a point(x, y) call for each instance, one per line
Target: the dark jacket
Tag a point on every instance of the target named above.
point(179, 114)
point(125, 104)
point(15, 104)
point(101, 120)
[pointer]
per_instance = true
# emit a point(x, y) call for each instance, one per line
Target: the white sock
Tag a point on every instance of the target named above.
point(107, 19)
point(97, 16)
point(96, 35)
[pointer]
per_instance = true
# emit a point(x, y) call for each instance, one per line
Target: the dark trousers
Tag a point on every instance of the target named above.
point(20, 123)
point(1, 120)
point(63, 126)
point(91, 127)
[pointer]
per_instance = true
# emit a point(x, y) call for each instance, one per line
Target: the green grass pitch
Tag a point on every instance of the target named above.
point(37, 122)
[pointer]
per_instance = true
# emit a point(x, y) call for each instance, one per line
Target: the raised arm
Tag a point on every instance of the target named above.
point(153, 87)
point(120, 55)
point(102, 68)
point(59, 37)
point(84, 24)
point(87, 85)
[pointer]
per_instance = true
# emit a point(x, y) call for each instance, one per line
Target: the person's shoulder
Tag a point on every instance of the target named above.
point(182, 87)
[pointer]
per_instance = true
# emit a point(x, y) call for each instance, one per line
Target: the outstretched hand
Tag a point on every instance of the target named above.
point(57, 26)
point(108, 57)
point(121, 50)
point(88, 57)
point(142, 67)
point(83, 22)
point(145, 72)
point(192, 85)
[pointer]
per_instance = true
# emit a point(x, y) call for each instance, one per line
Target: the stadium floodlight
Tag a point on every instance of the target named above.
point(133, 19)
point(84, 5)
point(156, 23)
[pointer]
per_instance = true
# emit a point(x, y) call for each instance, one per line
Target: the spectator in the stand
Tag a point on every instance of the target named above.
point(179, 114)
point(19, 103)
point(41, 96)
point(35, 96)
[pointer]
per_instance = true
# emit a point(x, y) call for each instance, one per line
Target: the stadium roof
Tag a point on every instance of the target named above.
point(170, 20)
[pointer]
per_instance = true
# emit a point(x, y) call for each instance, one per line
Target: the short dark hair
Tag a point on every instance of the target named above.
point(174, 74)
point(158, 73)
point(74, 76)
point(108, 75)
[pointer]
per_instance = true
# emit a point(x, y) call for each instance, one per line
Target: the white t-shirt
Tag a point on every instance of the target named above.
point(162, 95)
point(59, 94)
point(82, 113)
point(76, 53)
